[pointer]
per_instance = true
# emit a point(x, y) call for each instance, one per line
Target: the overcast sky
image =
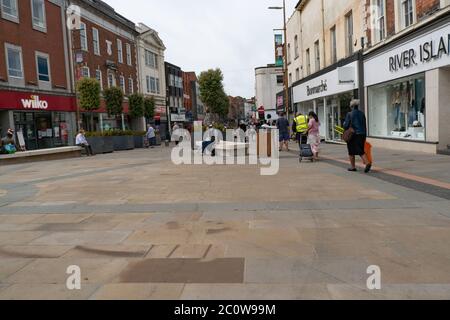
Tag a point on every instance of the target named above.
point(234, 35)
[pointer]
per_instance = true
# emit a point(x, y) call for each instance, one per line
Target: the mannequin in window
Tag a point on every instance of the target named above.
point(405, 102)
point(396, 103)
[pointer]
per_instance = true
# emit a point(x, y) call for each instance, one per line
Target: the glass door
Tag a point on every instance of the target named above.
point(24, 122)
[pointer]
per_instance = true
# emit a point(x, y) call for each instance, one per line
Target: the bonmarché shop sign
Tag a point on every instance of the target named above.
point(317, 89)
point(426, 52)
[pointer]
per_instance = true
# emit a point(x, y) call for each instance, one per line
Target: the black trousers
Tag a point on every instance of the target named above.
point(87, 148)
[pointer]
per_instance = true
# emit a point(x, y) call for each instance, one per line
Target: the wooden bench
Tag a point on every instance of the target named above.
point(41, 155)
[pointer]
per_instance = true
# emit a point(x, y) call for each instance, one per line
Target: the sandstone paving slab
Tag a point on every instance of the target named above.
point(33, 251)
point(53, 271)
point(18, 237)
point(18, 218)
point(304, 271)
point(46, 292)
point(191, 251)
point(61, 218)
point(107, 251)
point(160, 236)
point(160, 251)
point(271, 292)
point(139, 291)
point(20, 227)
point(83, 238)
point(9, 266)
point(225, 270)
point(83, 226)
point(391, 292)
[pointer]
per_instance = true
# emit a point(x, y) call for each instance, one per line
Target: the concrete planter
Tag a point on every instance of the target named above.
point(108, 145)
point(96, 143)
point(122, 143)
point(139, 142)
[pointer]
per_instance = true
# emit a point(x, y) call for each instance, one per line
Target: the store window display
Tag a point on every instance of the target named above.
point(397, 109)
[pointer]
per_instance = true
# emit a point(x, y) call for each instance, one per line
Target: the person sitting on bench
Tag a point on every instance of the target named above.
point(82, 142)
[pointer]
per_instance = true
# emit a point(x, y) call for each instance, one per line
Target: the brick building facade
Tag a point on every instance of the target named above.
point(35, 85)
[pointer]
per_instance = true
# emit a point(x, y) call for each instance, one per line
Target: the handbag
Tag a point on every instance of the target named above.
point(348, 134)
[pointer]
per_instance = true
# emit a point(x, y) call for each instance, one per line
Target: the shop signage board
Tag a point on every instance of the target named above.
point(337, 81)
point(15, 100)
point(279, 50)
point(178, 117)
point(427, 52)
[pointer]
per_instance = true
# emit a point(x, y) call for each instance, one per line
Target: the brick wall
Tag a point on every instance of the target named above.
point(426, 7)
point(94, 62)
point(23, 35)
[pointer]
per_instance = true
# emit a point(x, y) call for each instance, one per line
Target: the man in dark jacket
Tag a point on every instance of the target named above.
point(356, 119)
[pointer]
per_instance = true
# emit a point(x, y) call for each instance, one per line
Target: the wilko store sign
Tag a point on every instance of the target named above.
point(15, 100)
point(34, 103)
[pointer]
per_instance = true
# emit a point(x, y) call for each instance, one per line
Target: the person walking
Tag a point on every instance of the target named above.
point(314, 134)
point(356, 134)
point(81, 141)
point(175, 136)
point(300, 127)
point(151, 136)
point(283, 128)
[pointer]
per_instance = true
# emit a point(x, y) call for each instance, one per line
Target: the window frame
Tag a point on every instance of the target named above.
point(8, 68)
point(8, 16)
point(122, 84)
point(317, 59)
point(39, 27)
point(403, 14)
point(296, 51)
point(308, 62)
point(120, 51)
point(128, 53)
point(349, 22)
point(83, 35)
point(131, 85)
point(113, 83)
point(97, 72)
point(333, 44)
point(47, 57)
point(96, 41)
point(89, 72)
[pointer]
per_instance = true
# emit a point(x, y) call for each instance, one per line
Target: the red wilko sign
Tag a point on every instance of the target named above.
point(13, 100)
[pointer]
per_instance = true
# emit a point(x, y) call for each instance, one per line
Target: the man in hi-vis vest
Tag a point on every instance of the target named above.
point(300, 127)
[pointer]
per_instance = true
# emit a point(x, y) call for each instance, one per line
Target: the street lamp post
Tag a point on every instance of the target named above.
point(285, 53)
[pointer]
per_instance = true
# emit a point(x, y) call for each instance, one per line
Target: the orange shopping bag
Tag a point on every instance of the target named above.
point(368, 151)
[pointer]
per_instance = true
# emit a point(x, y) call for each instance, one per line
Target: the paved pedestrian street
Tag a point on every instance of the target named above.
point(139, 227)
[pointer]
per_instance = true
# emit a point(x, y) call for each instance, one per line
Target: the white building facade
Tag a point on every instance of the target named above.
point(152, 79)
point(268, 82)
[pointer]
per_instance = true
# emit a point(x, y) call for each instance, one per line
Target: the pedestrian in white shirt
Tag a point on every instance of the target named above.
point(151, 136)
point(81, 141)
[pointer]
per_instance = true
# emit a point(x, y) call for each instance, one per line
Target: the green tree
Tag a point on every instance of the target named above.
point(89, 96)
point(136, 103)
point(212, 92)
point(149, 108)
point(114, 101)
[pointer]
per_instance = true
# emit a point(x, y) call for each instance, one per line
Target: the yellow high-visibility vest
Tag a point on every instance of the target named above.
point(302, 124)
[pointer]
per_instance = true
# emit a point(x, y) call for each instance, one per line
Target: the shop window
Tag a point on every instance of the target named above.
point(398, 109)
point(9, 10)
point(38, 12)
point(43, 67)
point(14, 61)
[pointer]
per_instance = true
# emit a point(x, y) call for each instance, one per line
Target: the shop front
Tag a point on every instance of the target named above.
point(328, 94)
point(44, 121)
point(407, 89)
point(100, 120)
